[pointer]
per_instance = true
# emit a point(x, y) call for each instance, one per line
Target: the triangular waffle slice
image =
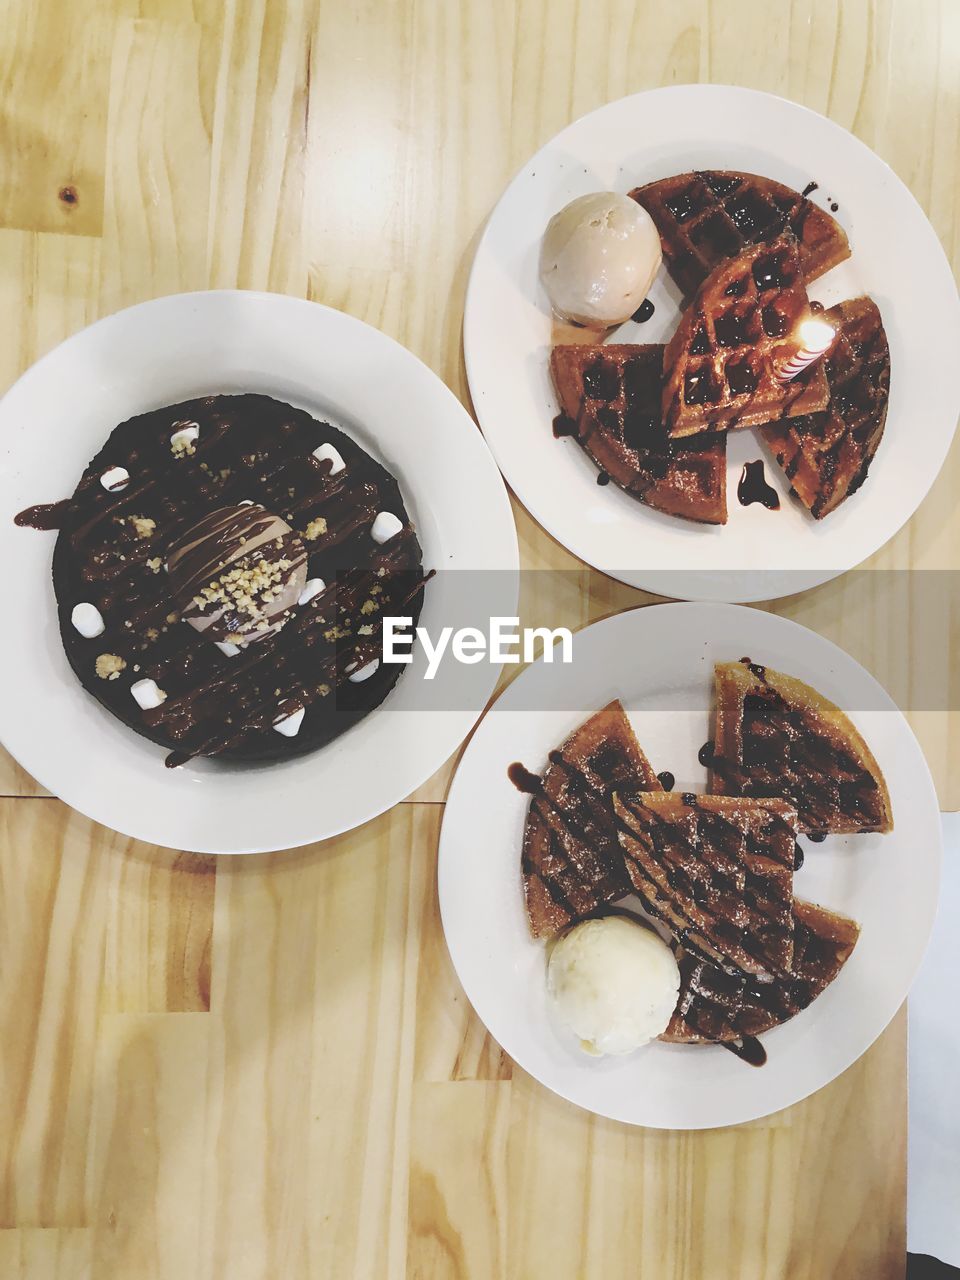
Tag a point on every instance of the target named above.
point(715, 1006)
point(775, 736)
point(612, 394)
point(718, 872)
point(720, 367)
point(706, 216)
point(825, 456)
point(572, 863)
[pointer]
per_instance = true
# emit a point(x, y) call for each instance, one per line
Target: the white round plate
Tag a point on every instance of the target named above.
point(896, 258)
point(659, 662)
point(55, 419)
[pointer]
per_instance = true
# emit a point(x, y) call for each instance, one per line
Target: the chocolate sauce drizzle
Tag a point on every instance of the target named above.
point(249, 448)
point(748, 1049)
point(44, 516)
point(753, 487)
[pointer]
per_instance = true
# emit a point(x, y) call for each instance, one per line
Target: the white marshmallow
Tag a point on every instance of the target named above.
point(358, 677)
point(186, 435)
point(115, 478)
point(147, 694)
point(385, 527)
point(88, 620)
point(312, 588)
point(231, 650)
point(289, 726)
point(327, 453)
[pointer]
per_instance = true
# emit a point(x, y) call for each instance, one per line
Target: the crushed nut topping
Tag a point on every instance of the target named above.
point(108, 666)
point(246, 588)
point(155, 564)
point(315, 528)
point(368, 606)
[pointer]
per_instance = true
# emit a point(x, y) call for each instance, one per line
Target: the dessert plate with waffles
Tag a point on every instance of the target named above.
point(699, 333)
point(688, 889)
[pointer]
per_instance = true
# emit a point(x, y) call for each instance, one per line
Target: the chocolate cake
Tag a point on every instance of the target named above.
point(222, 572)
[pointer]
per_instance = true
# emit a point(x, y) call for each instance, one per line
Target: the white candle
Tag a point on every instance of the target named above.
point(815, 338)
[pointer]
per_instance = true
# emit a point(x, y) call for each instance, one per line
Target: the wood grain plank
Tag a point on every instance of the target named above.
point(159, 932)
point(254, 238)
point(459, 1206)
point(758, 1201)
point(52, 876)
point(46, 1253)
point(148, 1142)
point(314, 991)
point(157, 187)
point(54, 67)
point(413, 103)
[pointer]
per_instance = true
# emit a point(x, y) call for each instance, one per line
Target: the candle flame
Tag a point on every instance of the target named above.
point(816, 335)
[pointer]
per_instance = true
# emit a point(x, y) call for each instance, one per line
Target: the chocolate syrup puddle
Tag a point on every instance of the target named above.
point(45, 515)
point(705, 754)
point(666, 780)
point(563, 426)
point(525, 781)
point(749, 1050)
point(644, 311)
point(753, 487)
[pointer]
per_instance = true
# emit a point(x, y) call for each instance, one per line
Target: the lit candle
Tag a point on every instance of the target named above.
point(815, 338)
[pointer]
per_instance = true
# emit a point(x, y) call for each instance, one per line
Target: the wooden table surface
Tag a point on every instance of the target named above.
point(265, 1067)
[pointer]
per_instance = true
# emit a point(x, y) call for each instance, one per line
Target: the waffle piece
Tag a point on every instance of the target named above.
point(712, 214)
point(825, 456)
point(718, 872)
point(718, 368)
point(717, 1007)
point(572, 863)
point(775, 736)
point(613, 393)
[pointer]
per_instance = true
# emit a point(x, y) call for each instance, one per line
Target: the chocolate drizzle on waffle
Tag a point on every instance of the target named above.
point(720, 1007)
point(778, 737)
point(708, 215)
point(113, 545)
point(571, 863)
point(826, 455)
point(717, 872)
point(719, 368)
point(613, 394)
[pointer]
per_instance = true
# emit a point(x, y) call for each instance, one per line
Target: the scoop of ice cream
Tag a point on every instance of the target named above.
point(614, 983)
point(598, 259)
point(238, 573)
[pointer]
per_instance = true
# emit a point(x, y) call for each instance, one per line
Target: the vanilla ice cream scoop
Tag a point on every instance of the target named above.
point(614, 983)
point(598, 259)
